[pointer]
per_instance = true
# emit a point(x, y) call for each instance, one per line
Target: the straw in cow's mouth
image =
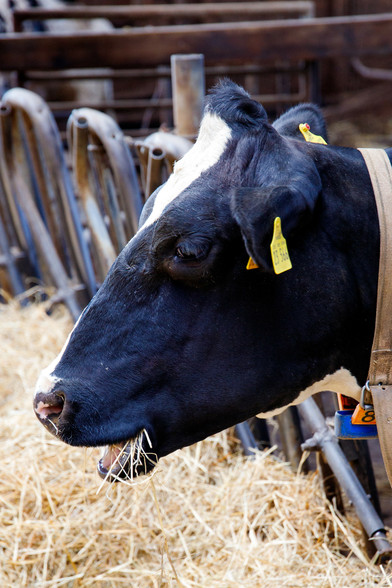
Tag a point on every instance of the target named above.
point(124, 461)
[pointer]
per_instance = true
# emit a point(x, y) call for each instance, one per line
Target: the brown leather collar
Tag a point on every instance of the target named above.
point(380, 369)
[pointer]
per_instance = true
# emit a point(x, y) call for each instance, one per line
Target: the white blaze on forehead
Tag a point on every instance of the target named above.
point(46, 381)
point(211, 142)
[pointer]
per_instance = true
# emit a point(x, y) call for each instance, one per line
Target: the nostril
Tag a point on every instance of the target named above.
point(46, 410)
point(49, 405)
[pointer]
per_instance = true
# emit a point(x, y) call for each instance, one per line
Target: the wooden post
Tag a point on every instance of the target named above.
point(188, 86)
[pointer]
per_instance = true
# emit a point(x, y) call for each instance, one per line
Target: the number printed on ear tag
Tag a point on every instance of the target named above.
point(279, 252)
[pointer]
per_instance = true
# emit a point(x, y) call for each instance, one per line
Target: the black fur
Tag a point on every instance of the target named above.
point(231, 103)
point(182, 340)
point(288, 123)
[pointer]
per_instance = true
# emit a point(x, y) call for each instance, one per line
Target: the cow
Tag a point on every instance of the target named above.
point(182, 340)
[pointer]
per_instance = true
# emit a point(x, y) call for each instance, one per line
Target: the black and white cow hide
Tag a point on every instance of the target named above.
point(181, 340)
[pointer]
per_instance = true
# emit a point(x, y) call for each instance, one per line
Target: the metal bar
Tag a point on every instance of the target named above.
point(188, 86)
point(44, 187)
point(45, 246)
point(107, 191)
point(168, 146)
point(100, 236)
point(155, 166)
point(325, 440)
point(5, 212)
point(173, 146)
point(44, 133)
point(8, 262)
point(372, 73)
point(247, 438)
point(5, 167)
point(290, 435)
point(120, 160)
point(142, 151)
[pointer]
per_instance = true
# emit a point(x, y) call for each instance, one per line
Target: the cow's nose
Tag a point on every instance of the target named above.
point(48, 408)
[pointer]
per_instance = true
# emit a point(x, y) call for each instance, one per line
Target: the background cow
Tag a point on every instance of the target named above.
point(181, 340)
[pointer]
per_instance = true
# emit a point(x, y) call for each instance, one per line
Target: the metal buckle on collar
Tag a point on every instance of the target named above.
point(366, 395)
point(358, 423)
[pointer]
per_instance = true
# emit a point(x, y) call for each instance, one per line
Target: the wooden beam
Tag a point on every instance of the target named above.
point(235, 43)
point(372, 98)
point(221, 10)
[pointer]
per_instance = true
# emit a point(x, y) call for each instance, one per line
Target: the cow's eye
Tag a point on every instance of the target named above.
point(180, 252)
point(189, 259)
point(196, 250)
point(185, 253)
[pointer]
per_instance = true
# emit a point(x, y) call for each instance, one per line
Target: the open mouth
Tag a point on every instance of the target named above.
point(127, 460)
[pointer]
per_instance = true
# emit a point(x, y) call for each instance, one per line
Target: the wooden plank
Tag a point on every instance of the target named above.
point(271, 41)
point(220, 10)
point(159, 103)
point(369, 99)
point(154, 72)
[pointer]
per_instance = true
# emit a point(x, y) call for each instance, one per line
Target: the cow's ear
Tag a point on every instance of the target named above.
point(235, 106)
point(288, 124)
point(255, 210)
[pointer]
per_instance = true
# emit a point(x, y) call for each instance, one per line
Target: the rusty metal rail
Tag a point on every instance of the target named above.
point(38, 202)
point(106, 182)
point(157, 154)
point(71, 232)
point(8, 261)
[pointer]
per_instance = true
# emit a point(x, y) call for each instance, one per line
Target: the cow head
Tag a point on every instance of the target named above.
point(181, 341)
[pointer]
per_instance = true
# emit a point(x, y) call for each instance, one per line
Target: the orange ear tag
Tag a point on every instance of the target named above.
point(251, 264)
point(279, 252)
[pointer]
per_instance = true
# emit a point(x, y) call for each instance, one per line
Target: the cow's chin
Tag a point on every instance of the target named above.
point(127, 460)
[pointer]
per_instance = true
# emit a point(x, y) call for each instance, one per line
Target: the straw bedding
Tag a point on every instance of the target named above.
point(209, 517)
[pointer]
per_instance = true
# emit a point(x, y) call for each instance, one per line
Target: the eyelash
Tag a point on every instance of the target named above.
point(185, 254)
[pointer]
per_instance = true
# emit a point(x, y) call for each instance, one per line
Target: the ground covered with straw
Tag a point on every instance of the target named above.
point(208, 518)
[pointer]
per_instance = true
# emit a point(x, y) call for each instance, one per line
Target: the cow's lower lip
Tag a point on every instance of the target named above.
point(126, 460)
point(113, 460)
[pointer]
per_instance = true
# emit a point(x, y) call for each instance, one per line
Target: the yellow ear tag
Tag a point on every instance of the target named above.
point(279, 252)
point(251, 264)
point(278, 244)
point(309, 137)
